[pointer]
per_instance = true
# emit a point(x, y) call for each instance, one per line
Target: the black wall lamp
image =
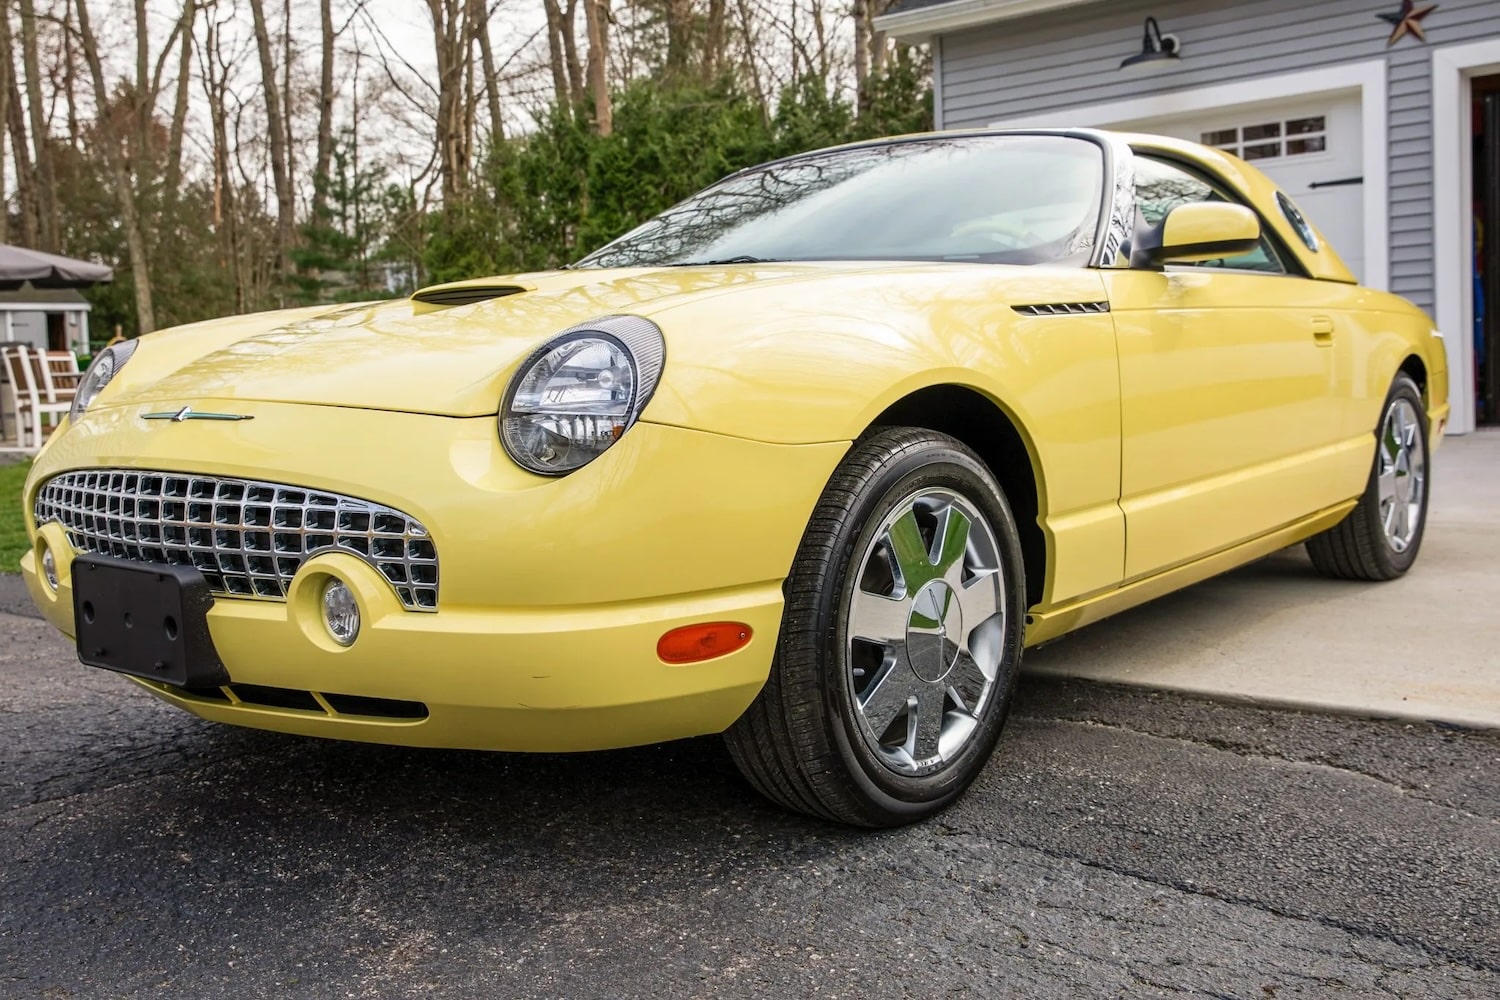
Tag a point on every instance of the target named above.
point(1157, 50)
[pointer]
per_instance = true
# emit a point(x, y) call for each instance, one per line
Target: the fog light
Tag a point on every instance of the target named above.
point(49, 568)
point(340, 613)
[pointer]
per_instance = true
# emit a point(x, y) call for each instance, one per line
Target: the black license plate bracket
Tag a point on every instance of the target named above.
point(145, 619)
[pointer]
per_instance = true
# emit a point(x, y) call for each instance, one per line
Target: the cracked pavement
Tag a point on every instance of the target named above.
point(1122, 843)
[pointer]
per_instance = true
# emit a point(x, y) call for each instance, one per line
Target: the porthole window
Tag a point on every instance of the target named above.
point(1299, 222)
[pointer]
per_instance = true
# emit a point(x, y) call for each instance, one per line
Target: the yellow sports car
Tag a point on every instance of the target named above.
point(805, 460)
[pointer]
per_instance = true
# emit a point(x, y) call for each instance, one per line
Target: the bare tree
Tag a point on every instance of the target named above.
point(749, 62)
point(681, 18)
point(869, 48)
point(453, 39)
point(326, 95)
point(124, 188)
point(286, 206)
point(45, 180)
point(596, 17)
point(173, 178)
point(576, 85)
point(15, 124)
point(713, 41)
point(479, 15)
point(288, 117)
point(557, 54)
point(7, 71)
point(70, 78)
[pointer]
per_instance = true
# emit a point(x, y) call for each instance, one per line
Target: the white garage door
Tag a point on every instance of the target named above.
point(1312, 147)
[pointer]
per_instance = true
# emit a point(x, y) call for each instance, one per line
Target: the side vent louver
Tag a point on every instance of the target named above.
point(1062, 308)
point(464, 296)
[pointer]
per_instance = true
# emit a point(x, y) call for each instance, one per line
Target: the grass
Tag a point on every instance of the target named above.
point(13, 541)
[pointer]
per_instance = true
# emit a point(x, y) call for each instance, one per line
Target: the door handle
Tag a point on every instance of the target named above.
point(1323, 331)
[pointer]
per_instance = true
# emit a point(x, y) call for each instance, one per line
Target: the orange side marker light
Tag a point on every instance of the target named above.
point(696, 643)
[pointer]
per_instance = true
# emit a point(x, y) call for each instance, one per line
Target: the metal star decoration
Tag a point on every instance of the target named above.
point(1408, 19)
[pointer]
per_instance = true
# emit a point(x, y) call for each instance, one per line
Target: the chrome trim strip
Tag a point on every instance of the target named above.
point(188, 413)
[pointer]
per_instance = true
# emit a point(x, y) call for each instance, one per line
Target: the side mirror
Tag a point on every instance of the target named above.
point(1201, 230)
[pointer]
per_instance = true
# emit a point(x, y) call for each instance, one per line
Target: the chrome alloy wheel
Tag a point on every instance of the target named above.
point(1401, 474)
point(924, 630)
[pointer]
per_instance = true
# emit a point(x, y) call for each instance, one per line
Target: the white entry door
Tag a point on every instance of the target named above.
point(1312, 147)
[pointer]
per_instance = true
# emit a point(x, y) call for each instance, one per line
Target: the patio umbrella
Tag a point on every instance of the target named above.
point(44, 270)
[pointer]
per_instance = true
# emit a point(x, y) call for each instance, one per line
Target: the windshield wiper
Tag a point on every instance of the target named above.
point(742, 259)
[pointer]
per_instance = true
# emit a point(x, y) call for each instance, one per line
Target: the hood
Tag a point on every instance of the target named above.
point(449, 350)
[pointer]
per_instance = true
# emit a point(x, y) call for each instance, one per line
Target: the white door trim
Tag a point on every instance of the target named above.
point(1452, 191)
point(1368, 78)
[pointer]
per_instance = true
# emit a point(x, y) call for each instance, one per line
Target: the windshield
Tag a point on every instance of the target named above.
point(989, 199)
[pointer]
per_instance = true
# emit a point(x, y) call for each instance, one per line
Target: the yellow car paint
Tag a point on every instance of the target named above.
point(1197, 232)
point(1203, 419)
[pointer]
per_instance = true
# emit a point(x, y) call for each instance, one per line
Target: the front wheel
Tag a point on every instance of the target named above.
point(1380, 537)
point(901, 640)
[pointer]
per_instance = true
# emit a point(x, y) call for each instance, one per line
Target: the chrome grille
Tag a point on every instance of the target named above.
point(248, 538)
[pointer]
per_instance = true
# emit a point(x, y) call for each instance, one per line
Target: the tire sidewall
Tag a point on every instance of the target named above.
point(1397, 563)
point(941, 465)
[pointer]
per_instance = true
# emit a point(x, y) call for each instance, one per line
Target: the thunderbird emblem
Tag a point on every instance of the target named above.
point(188, 413)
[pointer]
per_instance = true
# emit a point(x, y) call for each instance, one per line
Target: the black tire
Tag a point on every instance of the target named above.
point(1360, 547)
point(804, 742)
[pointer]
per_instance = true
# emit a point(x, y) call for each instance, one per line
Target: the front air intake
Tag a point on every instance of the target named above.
point(1062, 308)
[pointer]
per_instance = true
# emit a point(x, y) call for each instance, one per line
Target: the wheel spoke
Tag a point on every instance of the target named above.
point(966, 682)
point(980, 598)
point(927, 723)
point(905, 541)
point(889, 696)
point(1390, 443)
point(957, 728)
point(1387, 484)
point(879, 619)
point(952, 541)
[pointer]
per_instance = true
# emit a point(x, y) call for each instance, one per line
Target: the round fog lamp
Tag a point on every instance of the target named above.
point(49, 568)
point(340, 612)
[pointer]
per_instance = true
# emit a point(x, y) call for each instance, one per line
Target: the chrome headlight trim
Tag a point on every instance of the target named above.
point(644, 348)
point(105, 366)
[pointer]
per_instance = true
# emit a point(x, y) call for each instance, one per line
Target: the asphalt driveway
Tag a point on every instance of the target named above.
point(1125, 841)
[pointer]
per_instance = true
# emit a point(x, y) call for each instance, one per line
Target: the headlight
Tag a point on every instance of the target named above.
point(575, 396)
point(107, 364)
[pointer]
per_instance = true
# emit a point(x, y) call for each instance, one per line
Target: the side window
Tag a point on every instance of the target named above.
point(1161, 187)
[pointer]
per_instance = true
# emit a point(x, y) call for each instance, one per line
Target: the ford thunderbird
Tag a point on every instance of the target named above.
point(807, 460)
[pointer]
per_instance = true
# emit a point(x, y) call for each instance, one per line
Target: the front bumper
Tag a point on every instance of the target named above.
point(554, 593)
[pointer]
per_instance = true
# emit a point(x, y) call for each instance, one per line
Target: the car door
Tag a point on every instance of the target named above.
point(1233, 376)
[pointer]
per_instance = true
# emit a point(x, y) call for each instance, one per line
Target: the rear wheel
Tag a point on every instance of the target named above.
point(901, 639)
point(1380, 537)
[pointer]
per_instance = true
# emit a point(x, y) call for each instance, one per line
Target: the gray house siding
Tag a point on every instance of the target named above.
point(1070, 58)
point(1409, 106)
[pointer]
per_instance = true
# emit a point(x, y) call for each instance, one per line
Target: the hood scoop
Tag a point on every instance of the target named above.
point(447, 296)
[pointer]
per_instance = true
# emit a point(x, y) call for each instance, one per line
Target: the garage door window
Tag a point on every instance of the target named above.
point(1272, 140)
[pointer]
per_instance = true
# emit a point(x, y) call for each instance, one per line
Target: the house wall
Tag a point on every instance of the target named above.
point(1071, 58)
point(29, 328)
